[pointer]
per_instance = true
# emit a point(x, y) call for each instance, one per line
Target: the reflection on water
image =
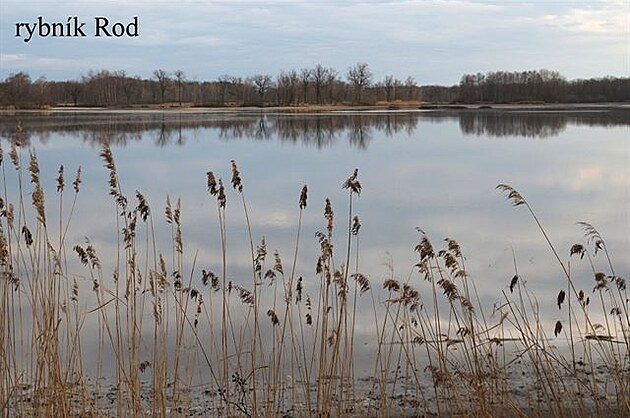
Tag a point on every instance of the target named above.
point(316, 130)
point(521, 125)
point(414, 164)
point(415, 168)
point(535, 124)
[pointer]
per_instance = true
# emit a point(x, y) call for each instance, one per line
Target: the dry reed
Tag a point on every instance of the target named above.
point(282, 344)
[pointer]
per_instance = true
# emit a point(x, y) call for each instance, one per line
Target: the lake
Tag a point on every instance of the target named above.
point(430, 172)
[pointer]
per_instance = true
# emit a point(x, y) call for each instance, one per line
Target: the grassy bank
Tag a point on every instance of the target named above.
point(148, 331)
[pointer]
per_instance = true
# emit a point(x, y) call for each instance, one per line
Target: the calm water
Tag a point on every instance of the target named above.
point(431, 170)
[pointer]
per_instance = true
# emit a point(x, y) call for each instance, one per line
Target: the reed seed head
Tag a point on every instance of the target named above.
point(168, 211)
point(392, 285)
point(28, 237)
point(77, 181)
point(467, 304)
point(560, 300)
point(330, 216)
point(82, 254)
point(237, 184)
point(38, 203)
point(177, 212)
point(143, 207)
point(4, 249)
point(144, 365)
point(303, 197)
point(246, 296)
point(19, 138)
point(356, 225)
point(274, 318)
point(577, 249)
point(511, 194)
point(33, 167)
point(157, 310)
point(601, 282)
point(352, 183)
point(593, 236)
point(15, 157)
point(425, 248)
point(261, 254)
point(10, 214)
point(513, 283)
point(60, 180)
point(95, 262)
point(362, 281)
point(277, 265)
point(449, 288)
point(214, 282)
point(221, 195)
point(453, 247)
point(298, 290)
point(212, 183)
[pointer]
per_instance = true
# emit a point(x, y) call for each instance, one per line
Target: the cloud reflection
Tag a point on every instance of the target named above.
point(418, 169)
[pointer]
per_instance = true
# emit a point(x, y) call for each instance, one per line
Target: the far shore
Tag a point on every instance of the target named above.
point(306, 109)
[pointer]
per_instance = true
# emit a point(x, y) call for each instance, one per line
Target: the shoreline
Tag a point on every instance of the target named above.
point(403, 108)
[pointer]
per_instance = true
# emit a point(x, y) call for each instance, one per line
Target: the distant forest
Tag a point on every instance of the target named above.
point(319, 85)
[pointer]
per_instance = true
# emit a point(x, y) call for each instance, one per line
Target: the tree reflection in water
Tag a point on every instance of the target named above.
point(318, 130)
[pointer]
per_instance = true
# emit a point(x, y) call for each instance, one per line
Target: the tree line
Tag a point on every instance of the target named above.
point(534, 86)
point(319, 85)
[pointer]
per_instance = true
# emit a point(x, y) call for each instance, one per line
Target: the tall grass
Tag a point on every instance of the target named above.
point(150, 332)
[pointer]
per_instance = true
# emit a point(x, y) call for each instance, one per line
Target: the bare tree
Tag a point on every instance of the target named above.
point(410, 86)
point(18, 88)
point(306, 75)
point(224, 82)
point(389, 85)
point(100, 88)
point(130, 86)
point(74, 90)
point(179, 79)
point(287, 83)
point(321, 76)
point(315, 85)
point(163, 81)
point(262, 83)
point(360, 77)
point(40, 89)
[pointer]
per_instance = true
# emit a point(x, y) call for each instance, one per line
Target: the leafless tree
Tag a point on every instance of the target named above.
point(360, 77)
point(179, 79)
point(224, 81)
point(18, 88)
point(315, 85)
point(287, 84)
point(390, 87)
point(74, 89)
point(321, 76)
point(262, 83)
point(306, 76)
point(410, 86)
point(163, 81)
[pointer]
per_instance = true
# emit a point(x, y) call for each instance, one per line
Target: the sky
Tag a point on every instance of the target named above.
point(435, 42)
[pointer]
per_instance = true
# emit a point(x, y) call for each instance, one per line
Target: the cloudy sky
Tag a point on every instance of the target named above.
point(433, 41)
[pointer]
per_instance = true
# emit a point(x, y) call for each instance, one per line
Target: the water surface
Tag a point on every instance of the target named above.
point(434, 171)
